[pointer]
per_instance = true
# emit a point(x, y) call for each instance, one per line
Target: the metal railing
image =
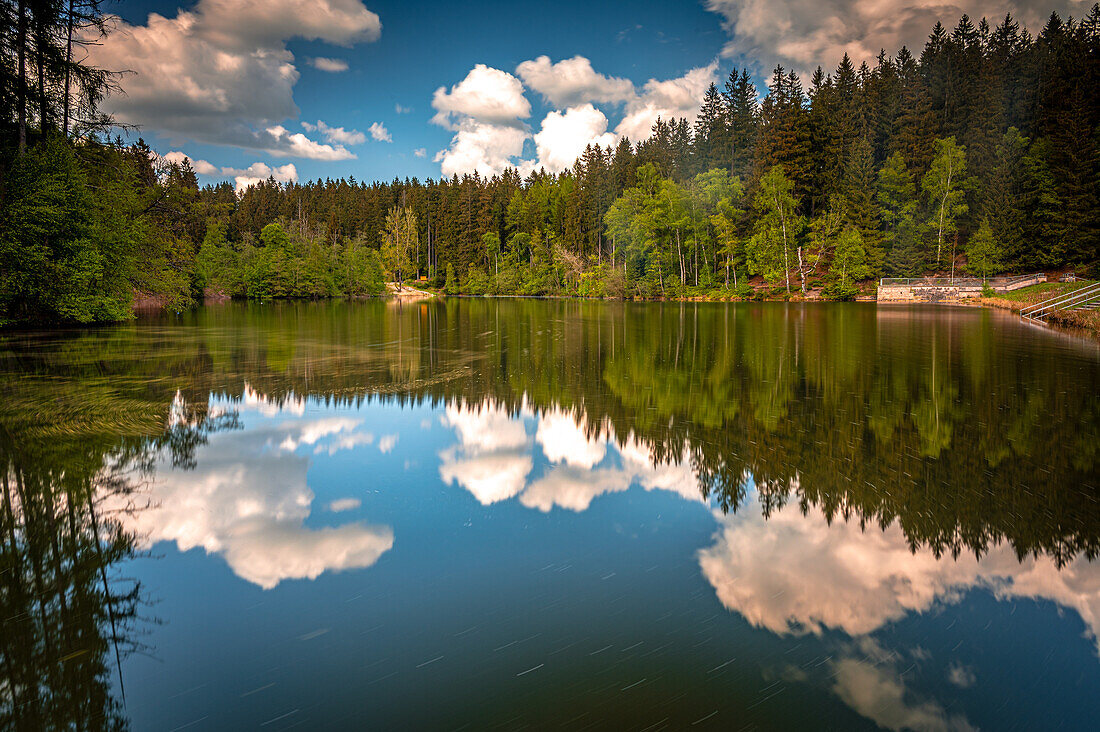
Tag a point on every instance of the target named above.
point(994, 282)
point(1081, 297)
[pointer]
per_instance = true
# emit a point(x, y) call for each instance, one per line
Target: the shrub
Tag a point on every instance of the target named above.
point(839, 291)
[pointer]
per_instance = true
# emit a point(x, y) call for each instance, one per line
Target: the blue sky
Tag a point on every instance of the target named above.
point(229, 83)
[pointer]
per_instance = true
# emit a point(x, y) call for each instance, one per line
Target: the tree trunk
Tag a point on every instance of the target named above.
point(680, 256)
point(786, 252)
point(801, 270)
point(68, 71)
point(21, 91)
point(943, 211)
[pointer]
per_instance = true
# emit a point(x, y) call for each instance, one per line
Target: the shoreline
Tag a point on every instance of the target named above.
point(1083, 320)
point(1075, 321)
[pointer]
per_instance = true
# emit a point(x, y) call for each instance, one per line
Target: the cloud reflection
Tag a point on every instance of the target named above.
point(869, 683)
point(491, 460)
point(247, 499)
point(796, 573)
point(791, 573)
point(495, 455)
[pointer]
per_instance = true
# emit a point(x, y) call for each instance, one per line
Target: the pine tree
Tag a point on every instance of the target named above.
point(711, 133)
point(742, 118)
point(861, 209)
point(784, 137)
point(1022, 207)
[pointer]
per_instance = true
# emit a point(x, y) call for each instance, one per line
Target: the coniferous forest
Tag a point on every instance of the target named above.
point(977, 154)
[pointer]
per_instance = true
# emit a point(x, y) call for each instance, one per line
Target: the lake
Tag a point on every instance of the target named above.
point(507, 514)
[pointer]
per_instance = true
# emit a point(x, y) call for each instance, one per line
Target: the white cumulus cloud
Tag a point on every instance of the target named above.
point(336, 135)
point(298, 145)
point(331, 65)
point(221, 73)
point(485, 110)
point(572, 81)
point(487, 95)
point(564, 135)
point(485, 148)
point(379, 132)
point(805, 33)
point(201, 167)
point(253, 174)
point(673, 98)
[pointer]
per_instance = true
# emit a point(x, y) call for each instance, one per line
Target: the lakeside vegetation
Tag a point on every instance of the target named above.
point(981, 154)
point(1017, 300)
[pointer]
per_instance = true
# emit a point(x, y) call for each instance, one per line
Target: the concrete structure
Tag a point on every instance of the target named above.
point(936, 289)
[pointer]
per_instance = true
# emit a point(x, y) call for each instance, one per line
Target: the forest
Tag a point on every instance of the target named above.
point(980, 155)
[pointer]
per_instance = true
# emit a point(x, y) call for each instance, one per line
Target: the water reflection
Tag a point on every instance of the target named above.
point(796, 572)
point(495, 455)
point(870, 680)
point(68, 617)
point(856, 470)
point(788, 569)
point(247, 496)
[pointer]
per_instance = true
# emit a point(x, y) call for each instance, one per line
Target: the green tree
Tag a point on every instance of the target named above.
point(943, 185)
point(860, 188)
point(399, 238)
point(850, 262)
point(491, 241)
point(777, 227)
point(983, 252)
point(450, 286)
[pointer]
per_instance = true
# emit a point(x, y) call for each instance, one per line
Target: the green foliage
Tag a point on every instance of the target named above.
point(450, 287)
point(943, 184)
point(850, 262)
point(1022, 206)
point(983, 252)
point(839, 291)
point(993, 124)
point(399, 237)
point(69, 254)
point(768, 251)
point(477, 283)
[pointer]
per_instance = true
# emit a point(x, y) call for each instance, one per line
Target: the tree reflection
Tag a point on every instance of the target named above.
point(958, 429)
point(70, 489)
point(966, 430)
point(68, 618)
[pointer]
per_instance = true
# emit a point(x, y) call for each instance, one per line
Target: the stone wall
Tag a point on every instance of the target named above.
point(938, 292)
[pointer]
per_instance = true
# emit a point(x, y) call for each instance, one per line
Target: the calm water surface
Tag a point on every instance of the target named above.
point(518, 514)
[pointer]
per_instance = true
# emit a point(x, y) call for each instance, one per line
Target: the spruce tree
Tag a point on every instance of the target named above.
point(861, 209)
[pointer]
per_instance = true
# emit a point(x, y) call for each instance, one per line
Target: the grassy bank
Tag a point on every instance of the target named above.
point(1020, 299)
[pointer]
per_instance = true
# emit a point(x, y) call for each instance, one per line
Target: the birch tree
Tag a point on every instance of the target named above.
point(943, 185)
